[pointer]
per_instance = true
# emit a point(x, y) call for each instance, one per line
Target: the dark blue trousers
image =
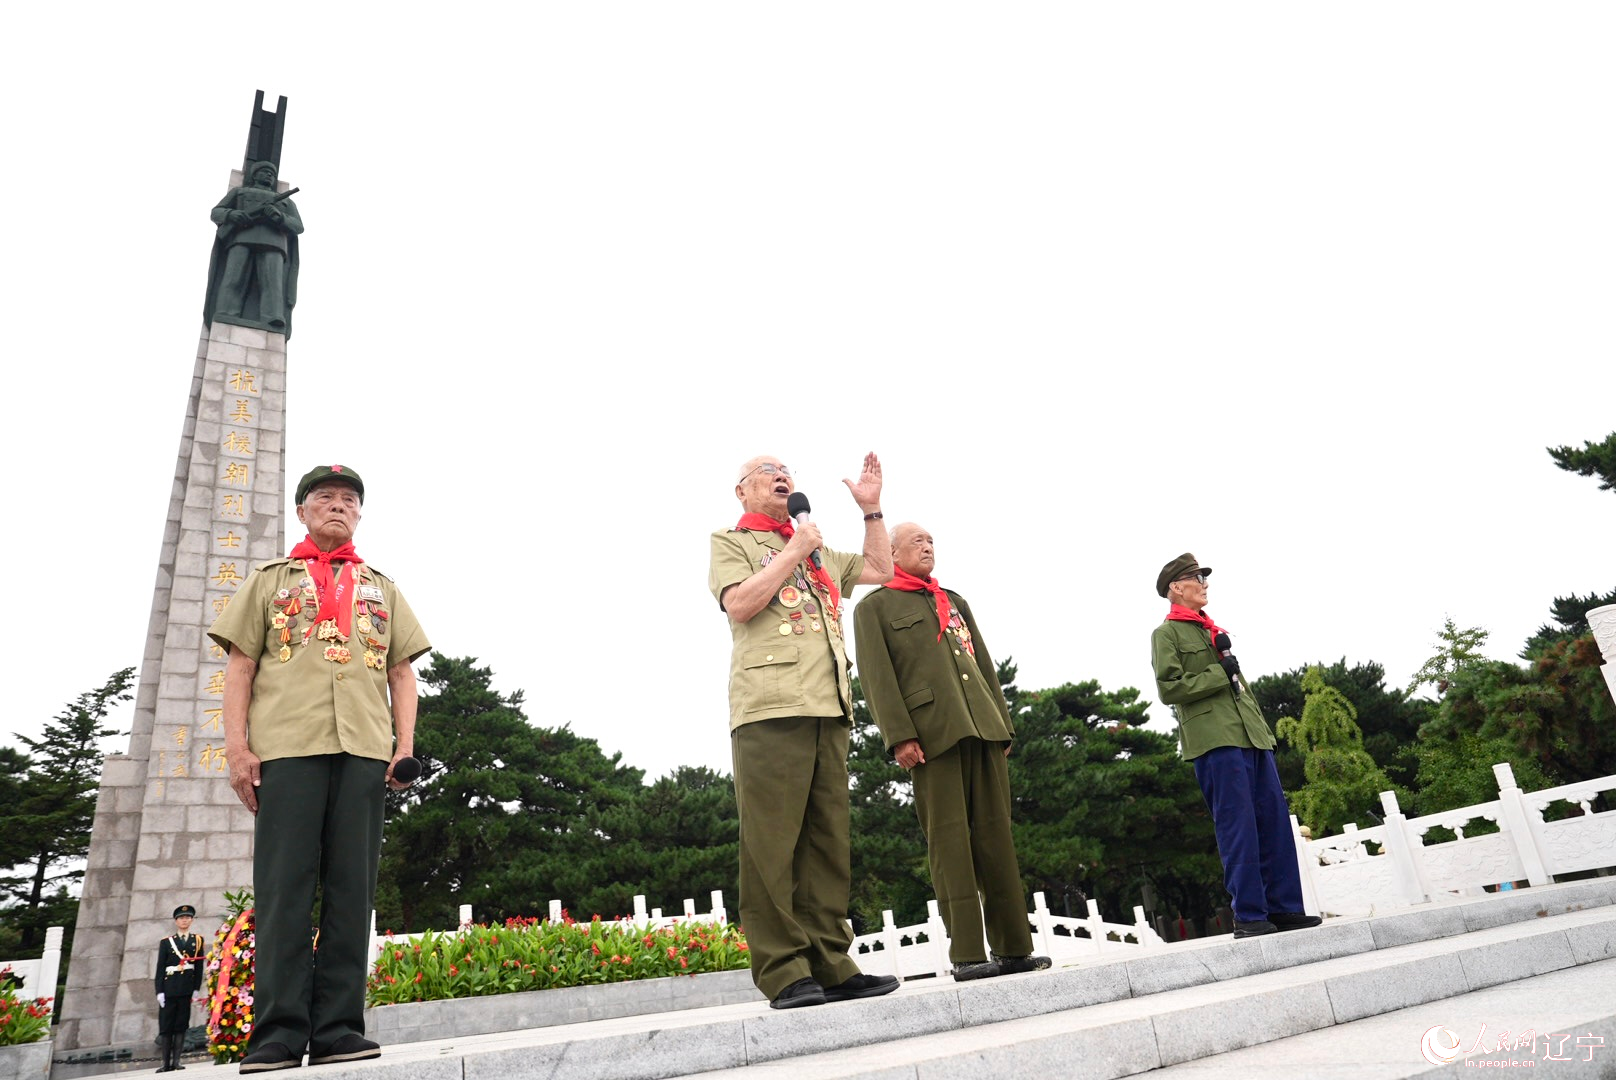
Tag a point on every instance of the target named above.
point(1253, 825)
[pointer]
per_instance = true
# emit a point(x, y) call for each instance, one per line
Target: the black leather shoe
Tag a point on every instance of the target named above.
point(799, 995)
point(1253, 929)
point(861, 986)
point(348, 1048)
point(967, 970)
point(1285, 920)
point(1015, 965)
point(269, 1057)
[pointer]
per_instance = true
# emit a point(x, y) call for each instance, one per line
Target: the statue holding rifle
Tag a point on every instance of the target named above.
point(252, 280)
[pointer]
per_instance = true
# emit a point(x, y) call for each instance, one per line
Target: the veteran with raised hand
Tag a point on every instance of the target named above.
point(319, 708)
point(934, 693)
point(791, 713)
point(1223, 734)
point(180, 958)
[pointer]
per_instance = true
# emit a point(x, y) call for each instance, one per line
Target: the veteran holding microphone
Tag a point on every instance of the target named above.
point(319, 717)
point(791, 715)
point(1222, 733)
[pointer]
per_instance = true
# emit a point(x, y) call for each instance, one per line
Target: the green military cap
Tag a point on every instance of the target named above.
point(185, 911)
point(1184, 564)
point(321, 473)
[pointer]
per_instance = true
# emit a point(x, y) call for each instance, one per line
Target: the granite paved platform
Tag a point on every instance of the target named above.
point(1171, 1007)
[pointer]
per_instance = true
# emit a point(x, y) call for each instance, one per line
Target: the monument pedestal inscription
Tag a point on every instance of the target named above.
point(168, 829)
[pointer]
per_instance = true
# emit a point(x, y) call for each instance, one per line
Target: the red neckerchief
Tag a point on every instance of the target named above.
point(765, 523)
point(1180, 613)
point(905, 581)
point(330, 591)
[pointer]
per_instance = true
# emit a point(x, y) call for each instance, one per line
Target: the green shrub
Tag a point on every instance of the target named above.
point(528, 954)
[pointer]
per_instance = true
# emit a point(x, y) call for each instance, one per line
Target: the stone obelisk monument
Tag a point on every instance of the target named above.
point(168, 828)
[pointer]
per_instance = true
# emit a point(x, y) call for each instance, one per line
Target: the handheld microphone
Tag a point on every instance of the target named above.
point(797, 507)
point(1225, 652)
point(407, 770)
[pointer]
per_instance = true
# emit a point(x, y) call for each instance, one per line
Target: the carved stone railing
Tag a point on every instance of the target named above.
point(1392, 865)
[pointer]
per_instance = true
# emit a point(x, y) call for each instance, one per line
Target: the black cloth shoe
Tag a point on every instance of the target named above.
point(350, 1047)
point(1285, 920)
point(799, 995)
point(269, 1057)
point(1015, 965)
point(1253, 929)
point(861, 986)
point(967, 970)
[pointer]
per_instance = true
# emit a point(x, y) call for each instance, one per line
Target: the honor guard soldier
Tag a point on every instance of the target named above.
point(319, 710)
point(791, 714)
point(179, 977)
point(935, 695)
point(1222, 733)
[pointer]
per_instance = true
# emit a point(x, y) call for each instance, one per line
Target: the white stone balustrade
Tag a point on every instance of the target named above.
point(39, 976)
point(1344, 877)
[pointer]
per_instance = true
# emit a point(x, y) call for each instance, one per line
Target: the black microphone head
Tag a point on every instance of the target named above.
point(796, 503)
point(407, 770)
point(1222, 642)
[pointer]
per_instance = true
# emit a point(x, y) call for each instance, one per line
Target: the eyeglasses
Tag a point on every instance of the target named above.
point(769, 470)
point(1199, 579)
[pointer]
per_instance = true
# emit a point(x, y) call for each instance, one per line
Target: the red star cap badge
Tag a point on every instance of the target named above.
point(336, 468)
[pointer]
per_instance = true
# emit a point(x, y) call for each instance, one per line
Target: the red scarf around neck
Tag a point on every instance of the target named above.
point(765, 523)
point(904, 581)
point(1180, 613)
point(332, 593)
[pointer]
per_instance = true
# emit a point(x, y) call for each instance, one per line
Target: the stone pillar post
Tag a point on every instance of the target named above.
point(1602, 620)
point(168, 829)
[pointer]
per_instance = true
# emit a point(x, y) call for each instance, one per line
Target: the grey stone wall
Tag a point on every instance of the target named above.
point(168, 830)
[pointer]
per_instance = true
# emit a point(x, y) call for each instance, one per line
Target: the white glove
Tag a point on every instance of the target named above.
point(162, 999)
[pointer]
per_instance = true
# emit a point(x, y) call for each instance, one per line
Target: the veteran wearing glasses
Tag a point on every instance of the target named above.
point(791, 710)
point(1223, 734)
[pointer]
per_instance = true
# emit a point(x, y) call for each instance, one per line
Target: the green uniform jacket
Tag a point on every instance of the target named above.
point(1189, 678)
point(918, 687)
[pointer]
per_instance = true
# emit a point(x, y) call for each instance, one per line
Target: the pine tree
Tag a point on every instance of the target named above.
point(1343, 781)
point(50, 819)
point(1456, 649)
point(1594, 459)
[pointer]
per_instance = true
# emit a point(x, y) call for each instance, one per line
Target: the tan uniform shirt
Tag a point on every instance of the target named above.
point(306, 699)
point(775, 670)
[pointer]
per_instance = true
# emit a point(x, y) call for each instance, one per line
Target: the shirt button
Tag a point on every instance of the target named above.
point(956, 652)
point(964, 676)
point(770, 659)
point(339, 676)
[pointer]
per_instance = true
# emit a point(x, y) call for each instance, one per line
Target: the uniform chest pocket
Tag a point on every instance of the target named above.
point(1196, 657)
point(904, 622)
point(770, 678)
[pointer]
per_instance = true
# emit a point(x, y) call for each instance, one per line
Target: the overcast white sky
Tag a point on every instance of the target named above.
point(1305, 289)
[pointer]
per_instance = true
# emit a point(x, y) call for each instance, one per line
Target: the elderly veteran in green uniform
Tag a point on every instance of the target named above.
point(319, 706)
point(1223, 734)
point(934, 692)
point(791, 709)
point(179, 977)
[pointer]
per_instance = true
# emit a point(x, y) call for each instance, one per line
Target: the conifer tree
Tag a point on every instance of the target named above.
point(1343, 781)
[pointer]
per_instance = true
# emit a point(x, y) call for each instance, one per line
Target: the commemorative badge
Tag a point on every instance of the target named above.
point(790, 597)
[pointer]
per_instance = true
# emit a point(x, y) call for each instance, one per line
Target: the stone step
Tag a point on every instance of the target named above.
point(1109, 1017)
point(1189, 1027)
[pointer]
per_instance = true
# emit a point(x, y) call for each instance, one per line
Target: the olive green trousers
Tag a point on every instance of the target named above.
point(962, 797)
point(791, 791)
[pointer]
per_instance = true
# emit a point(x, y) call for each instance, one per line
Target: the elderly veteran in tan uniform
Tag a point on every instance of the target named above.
point(934, 692)
point(319, 706)
point(1222, 733)
point(791, 709)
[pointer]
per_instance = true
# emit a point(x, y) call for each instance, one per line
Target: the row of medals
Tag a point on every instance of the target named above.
point(798, 595)
point(369, 620)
